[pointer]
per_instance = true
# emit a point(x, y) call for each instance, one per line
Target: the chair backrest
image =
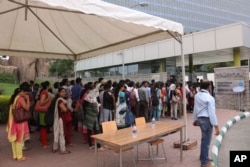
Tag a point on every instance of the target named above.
point(140, 121)
point(109, 127)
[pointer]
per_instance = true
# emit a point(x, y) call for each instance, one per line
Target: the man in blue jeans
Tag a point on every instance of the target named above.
point(205, 117)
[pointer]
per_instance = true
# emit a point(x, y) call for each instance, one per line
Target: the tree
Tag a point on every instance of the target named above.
point(62, 68)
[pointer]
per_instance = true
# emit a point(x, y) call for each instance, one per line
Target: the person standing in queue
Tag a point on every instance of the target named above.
point(18, 132)
point(205, 117)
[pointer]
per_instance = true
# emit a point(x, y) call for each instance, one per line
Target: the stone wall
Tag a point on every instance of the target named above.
point(231, 76)
point(26, 68)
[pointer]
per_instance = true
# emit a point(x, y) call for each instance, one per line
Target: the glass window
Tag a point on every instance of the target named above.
point(156, 66)
point(132, 69)
point(144, 68)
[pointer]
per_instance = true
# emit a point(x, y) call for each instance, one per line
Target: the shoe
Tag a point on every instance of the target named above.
point(209, 164)
point(175, 118)
point(172, 118)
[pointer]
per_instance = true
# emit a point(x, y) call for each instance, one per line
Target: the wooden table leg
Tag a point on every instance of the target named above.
point(120, 156)
point(96, 154)
point(181, 144)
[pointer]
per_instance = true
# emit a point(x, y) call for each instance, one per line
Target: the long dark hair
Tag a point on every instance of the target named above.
point(23, 87)
point(117, 90)
point(57, 96)
point(44, 86)
point(13, 96)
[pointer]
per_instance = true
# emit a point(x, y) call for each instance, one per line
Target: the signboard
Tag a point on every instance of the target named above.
point(226, 87)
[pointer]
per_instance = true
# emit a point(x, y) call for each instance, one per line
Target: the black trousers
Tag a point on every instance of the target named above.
point(143, 110)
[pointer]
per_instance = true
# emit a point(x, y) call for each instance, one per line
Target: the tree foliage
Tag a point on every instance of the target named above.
point(61, 68)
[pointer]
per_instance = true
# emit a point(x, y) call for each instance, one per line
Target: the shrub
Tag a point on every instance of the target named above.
point(1, 91)
point(7, 78)
point(4, 108)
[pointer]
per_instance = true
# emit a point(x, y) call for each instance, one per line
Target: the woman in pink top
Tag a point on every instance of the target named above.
point(18, 132)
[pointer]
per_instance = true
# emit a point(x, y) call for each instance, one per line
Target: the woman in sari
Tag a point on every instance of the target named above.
point(62, 123)
point(18, 132)
point(91, 115)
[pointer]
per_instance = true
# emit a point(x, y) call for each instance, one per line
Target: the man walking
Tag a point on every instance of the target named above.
point(205, 117)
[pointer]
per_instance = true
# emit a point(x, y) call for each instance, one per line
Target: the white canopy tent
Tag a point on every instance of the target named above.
point(78, 29)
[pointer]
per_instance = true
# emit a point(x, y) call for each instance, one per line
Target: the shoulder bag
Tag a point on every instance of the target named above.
point(42, 108)
point(20, 115)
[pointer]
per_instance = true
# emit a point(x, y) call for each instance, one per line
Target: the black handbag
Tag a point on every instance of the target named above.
point(20, 115)
point(121, 112)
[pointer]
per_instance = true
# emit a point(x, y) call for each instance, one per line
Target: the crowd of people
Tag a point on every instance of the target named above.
point(100, 101)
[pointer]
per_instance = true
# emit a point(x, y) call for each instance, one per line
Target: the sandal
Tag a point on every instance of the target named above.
point(65, 152)
point(54, 151)
point(25, 148)
point(23, 159)
point(71, 145)
point(45, 146)
point(100, 149)
point(91, 147)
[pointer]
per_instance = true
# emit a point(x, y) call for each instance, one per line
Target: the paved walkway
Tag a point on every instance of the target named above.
point(237, 139)
point(81, 156)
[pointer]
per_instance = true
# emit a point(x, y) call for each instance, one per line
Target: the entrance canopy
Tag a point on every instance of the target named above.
point(76, 29)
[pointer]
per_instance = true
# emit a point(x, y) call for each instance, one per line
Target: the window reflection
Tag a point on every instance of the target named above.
point(155, 66)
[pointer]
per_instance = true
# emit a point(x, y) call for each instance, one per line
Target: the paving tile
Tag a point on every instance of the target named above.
point(81, 156)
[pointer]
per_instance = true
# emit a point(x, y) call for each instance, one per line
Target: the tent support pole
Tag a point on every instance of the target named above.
point(178, 38)
point(183, 89)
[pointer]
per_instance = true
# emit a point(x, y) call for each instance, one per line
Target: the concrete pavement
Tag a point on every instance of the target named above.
point(82, 156)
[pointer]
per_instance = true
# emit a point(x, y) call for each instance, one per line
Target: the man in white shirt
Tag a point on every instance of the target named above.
point(205, 117)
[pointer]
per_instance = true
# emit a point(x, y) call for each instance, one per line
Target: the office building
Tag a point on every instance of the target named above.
point(215, 31)
point(194, 15)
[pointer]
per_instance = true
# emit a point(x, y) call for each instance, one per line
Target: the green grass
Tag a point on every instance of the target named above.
point(8, 89)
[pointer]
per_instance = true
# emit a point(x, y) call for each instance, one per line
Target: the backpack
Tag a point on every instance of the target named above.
point(49, 115)
point(80, 114)
point(155, 99)
point(132, 98)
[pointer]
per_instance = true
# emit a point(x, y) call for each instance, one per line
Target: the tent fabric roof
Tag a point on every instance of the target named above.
point(76, 29)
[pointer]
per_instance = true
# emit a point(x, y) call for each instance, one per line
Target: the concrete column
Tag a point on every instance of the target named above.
point(236, 53)
point(190, 67)
point(163, 66)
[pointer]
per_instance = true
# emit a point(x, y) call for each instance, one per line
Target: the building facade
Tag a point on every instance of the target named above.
point(203, 23)
point(194, 15)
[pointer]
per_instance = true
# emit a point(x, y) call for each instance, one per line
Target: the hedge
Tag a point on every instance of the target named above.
point(4, 108)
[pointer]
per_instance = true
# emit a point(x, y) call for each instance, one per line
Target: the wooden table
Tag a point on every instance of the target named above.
point(123, 139)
